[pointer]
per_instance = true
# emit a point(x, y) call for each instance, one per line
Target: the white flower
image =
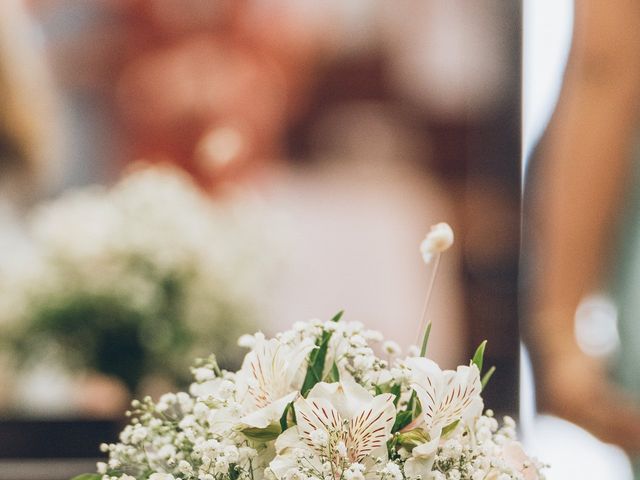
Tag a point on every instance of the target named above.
point(246, 341)
point(446, 396)
point(354, 472)
point(161, 476)
point(185, 467)
point(373, 335)
point(392, 471)
point(203, 374)
point(391, 347)
point(357, 424)
point(341, 449)
point(271, 376)
point(454, 474)
point(341, 429)
point(319, 438)
point(439, 239)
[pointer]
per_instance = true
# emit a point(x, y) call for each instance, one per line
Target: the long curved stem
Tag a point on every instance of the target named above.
point(425, 326)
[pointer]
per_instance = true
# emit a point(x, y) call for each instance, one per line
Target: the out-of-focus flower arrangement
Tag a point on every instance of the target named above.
point(316, 402)
point(130, 280)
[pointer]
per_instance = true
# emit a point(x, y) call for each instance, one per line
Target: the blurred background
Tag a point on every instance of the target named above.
point(579, 271)
point(174, 173)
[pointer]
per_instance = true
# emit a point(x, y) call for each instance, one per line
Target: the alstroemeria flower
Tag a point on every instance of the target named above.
point(339, 424)
point(270, 378)
point(446, 397)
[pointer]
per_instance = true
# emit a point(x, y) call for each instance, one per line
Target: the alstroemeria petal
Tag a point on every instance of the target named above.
point(270, 414)
point(269, 370)
point(449, 401)
point(316, 414)
point(346, 396)
point(370, 428)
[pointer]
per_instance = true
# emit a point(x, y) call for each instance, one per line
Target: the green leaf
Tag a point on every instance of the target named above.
point(234, 473)
point(334, 373)
point(478, 357)
point(285, 414)
point(425, 340)
point(88, 476)
point(450, 427)
point(317, 358)
point(266, 434)
point(388, 387)
point(414, 404)
point(403, 419)
point(487, 376)
point(395, 390)
point(413, 438)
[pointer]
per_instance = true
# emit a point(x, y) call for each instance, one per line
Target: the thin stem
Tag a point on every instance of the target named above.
point(424, 325)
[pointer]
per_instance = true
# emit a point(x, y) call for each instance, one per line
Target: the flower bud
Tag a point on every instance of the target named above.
point(439, 239)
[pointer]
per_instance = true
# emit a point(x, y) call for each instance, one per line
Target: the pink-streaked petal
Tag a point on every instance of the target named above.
point(316, 414)
point(347, 396)
point(458, 395)
point(370, 428)
point(462, 392)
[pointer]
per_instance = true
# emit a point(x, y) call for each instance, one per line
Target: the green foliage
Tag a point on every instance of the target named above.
point(425, 340)
point(403, 419)
point(266, 434)
point(487, 376)
point(413, 438)
point(392, 388)
point(317, 358)
point(234, 473)
point(478, 357)
point(334, 374)
point(478, 361)
point(450, 427)
point(288, 416)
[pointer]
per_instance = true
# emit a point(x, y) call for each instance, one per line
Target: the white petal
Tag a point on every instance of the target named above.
point(290, 438)
point(446, 396)
point(269, 370)
point(265, 416)
point(316, 414)
point(370, 428)
point(346, 396)
point(462, 394)
point(429, 383)
point(428, 449)
point(296, 359)
point(415, 468)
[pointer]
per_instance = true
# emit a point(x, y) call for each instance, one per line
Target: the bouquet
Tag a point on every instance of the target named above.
point(317, 402)
point(130, 280)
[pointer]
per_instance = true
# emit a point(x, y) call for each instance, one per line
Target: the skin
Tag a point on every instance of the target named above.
point(585, 161)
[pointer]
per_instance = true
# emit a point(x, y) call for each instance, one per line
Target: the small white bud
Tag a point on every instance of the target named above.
point(439, 239)
point(247, 341)
point(391, 347)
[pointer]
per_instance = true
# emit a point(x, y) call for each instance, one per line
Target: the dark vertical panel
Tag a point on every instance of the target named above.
point(492, 218)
